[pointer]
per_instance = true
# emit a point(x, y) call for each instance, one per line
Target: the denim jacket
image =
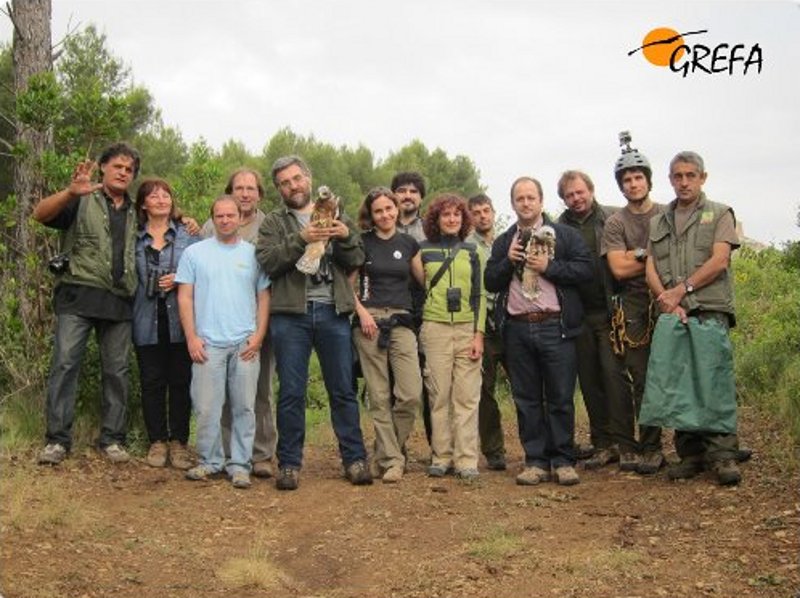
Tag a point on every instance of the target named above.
point(145, 311)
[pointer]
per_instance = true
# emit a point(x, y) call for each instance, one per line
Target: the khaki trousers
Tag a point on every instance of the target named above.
point(392, 408)
point(453, 381)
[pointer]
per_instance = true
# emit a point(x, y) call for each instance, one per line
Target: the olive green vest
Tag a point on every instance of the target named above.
point(88, 243)
point(678, 257)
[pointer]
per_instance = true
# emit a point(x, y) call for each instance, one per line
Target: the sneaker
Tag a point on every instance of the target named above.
point(686, 468)
point(179, 456)
point(199, 473)
point(52, 454)
point(496, 462)
point(650, 463)
point(241, 480)
point(468, 474)
point(263, 469)
point(566, 475)
point(602, 458)
point(393, 475)
point(438, 471)
point(288, 478)
point(358, 473)
point(157, 455)
point(583, 451)
point(628, 461)
point(531, 476)
point(727, 472)
point(116, 454)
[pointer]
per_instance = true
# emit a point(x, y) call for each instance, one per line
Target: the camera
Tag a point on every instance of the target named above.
point(151, 288)
point(453, 299)
point(58, 264)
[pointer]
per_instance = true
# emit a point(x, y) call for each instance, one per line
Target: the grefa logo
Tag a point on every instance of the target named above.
point(666, 47)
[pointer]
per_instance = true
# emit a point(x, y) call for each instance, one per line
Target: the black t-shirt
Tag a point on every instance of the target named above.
point(386, 273)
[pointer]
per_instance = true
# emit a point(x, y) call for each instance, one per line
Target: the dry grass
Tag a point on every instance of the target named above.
point(31, 501)
point(255, 569)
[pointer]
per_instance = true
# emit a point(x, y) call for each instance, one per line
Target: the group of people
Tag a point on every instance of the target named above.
point(429, 307)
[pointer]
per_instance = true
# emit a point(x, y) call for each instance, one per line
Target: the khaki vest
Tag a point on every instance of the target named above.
point(88, 244)
point(678, 257)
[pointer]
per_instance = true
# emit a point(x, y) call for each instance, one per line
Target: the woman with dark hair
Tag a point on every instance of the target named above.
point(164, 362)
point(384, 338)
point(453, 320)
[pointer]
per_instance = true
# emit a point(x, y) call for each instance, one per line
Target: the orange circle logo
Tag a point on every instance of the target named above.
point(659, 45)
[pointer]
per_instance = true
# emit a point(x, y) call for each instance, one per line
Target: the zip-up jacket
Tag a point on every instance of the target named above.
point(280, 246)
point(571, 266)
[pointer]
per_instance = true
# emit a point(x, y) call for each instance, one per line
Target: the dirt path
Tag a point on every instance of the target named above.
point(90, 529)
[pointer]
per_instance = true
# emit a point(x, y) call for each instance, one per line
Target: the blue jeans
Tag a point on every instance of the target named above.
point(542, 366)
point(114, 341)
point(293, 336)
point(225, 369)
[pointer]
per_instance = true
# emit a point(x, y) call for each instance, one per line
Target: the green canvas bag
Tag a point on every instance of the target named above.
point(690, 385)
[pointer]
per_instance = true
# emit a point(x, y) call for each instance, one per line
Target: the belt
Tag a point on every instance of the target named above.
point(536, 316)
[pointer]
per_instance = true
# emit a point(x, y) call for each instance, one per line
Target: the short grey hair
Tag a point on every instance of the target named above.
point(285, 162)
point(689, 158)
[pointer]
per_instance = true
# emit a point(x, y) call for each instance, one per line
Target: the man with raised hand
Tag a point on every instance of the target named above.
point(95, 283)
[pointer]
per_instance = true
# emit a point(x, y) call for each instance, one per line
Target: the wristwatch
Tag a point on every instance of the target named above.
point(688, 286)
point(640, 254)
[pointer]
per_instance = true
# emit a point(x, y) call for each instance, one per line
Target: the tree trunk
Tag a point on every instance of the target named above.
point(32, 49)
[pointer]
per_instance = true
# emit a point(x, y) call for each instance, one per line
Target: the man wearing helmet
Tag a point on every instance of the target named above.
point(625, 243)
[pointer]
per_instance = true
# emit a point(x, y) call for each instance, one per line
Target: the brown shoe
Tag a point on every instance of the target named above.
point(157, 455)
point(263, 469)
point(179, 455)
point(566, 475)
point(532, 475)
point(393, 475)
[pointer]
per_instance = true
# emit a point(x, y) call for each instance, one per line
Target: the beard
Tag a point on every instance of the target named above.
point(298, 201)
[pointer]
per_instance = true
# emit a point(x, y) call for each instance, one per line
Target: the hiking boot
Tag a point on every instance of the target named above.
point(200, 473)
point(157, 455)
point(743, 454)
point(602, 458)
point(52, 454)
point(241, 480)
point(566, 475)
point(628, 461)
point(650, 463)
point(533, 475)
point(686, 468)
point(496, 462)
point(438, 471)
point(358, 473)
point(468, 474)
point(583, 450)
point(727, 472)
point(288, 478)
point(263, 469)
point(115, 453)
point(393, 475)
point(179, 456)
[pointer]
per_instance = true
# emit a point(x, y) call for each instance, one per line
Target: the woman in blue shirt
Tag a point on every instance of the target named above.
point(164, 364)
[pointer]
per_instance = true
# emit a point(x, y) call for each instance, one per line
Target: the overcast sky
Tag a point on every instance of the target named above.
point(520, 87)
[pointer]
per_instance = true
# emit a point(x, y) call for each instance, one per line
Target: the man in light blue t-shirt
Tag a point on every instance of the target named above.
point(224, 307)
